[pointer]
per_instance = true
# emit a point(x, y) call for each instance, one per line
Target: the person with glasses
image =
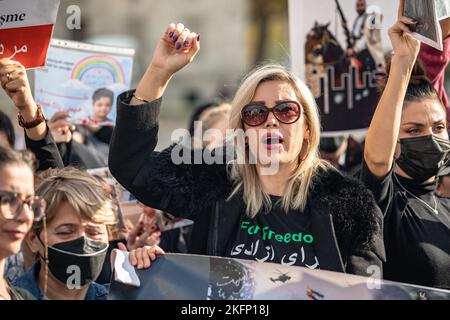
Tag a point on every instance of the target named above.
point(71, 243)
point(274, 200)
point(19, 207)
point(406, 150)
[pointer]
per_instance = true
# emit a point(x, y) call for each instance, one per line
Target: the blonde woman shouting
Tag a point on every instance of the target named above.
point(304, 213)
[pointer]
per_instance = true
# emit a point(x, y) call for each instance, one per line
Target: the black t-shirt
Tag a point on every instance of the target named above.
point(275, 236)
point(417, 240)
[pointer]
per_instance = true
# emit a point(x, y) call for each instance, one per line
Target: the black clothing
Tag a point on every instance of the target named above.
point(80, 155)
point(276, 236)
point(46, 152)
point(345, 220)
point(417, 240)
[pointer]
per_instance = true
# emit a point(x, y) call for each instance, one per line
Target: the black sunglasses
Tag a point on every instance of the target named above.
point(255, 114)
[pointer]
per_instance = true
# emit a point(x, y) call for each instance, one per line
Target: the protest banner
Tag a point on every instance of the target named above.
point(26, 28)
point(194, 277)
point(74, 72)
point(340, 54)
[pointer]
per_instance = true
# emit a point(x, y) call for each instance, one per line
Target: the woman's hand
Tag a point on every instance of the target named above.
point(60, 128)
point(142, 257)
point(14, 81)
point(406, 47)
point(177, 48)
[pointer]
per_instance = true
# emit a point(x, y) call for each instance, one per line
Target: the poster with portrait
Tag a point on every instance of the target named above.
point(26, 28)
point(84, 80)
point(194, 277)
point(338, 47)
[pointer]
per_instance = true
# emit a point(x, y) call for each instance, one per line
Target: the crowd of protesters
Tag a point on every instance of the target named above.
point(337, 204)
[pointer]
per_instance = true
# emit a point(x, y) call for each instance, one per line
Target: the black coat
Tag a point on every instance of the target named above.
point(344, 215)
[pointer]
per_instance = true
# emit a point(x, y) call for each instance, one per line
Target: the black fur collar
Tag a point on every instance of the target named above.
point(355, 214)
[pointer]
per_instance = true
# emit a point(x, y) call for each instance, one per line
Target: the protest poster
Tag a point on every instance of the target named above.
point(194, 277)
point(427, 28)
point(26, 28)
point(428, 13)
point(75, 71)
point(340, 53)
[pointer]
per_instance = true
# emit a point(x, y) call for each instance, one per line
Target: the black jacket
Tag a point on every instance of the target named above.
point(345, 217)
point(46, 152)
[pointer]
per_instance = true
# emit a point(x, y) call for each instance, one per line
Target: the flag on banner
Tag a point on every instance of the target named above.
point(74, 73)
point(26, 29)
point(194, 277)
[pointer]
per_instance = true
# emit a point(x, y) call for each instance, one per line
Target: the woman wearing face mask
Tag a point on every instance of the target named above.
point(405, 149)
point(304, 214)
point(72, 242)
point(18, 207)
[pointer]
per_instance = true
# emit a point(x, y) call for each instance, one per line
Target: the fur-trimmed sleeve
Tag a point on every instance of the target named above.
point(359, 228)
point(358, 221)
point(157, 179)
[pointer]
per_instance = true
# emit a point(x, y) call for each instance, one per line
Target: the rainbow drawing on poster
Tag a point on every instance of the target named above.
point(104, 62)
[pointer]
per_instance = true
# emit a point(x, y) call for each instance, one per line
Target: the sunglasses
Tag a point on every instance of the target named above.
point(255, 114)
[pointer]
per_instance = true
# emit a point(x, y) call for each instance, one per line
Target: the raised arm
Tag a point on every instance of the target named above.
point(154, 177)
point(176, 49)
point(384, 129)
point(14, 81)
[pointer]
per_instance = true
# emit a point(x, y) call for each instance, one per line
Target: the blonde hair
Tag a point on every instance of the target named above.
point(81, 190)
point(245, 176)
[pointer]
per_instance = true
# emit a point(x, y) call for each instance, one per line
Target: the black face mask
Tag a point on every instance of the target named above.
point(88, 255)
point(421, 158)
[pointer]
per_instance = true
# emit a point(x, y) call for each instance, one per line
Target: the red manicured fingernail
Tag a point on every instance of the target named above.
point(198, 38)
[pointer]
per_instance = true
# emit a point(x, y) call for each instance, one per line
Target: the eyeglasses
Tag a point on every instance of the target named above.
point(11, 205)
point(255, 114)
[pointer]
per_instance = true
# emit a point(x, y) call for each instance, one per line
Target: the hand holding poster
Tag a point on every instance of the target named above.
point(26, 28)
point(84, 80)
point(428, 13)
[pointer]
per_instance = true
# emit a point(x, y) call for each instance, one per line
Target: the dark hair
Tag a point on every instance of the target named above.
point(331, 144)
point(195, 116)
point(102, 93)
point(6, 126)
point(10, 156)
point(420, 87)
